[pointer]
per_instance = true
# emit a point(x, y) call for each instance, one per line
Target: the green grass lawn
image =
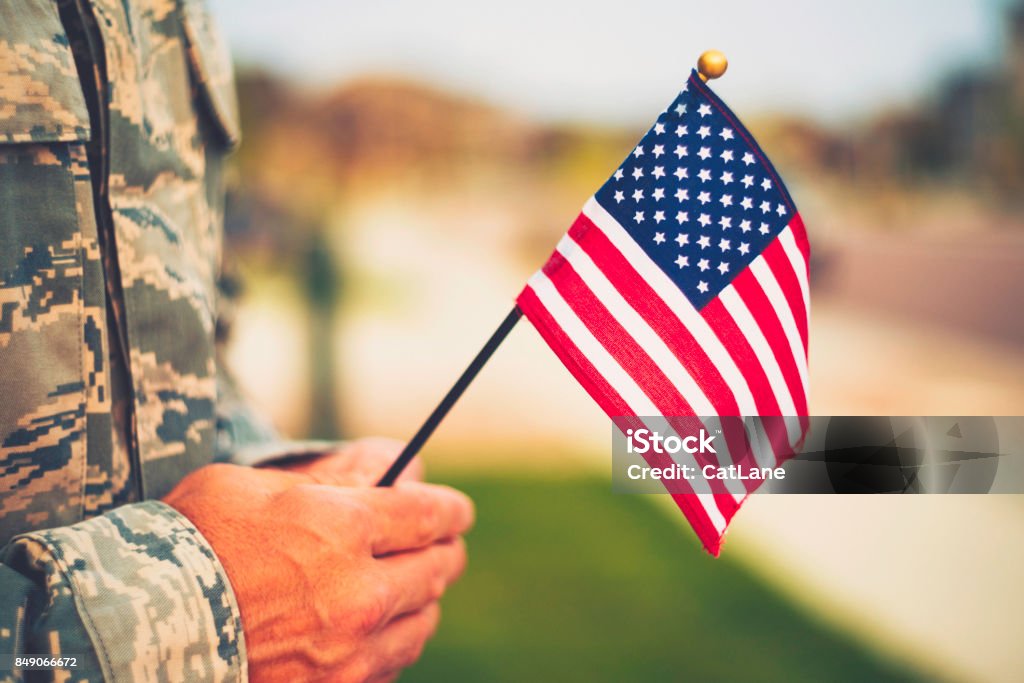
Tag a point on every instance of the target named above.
point(568, 582)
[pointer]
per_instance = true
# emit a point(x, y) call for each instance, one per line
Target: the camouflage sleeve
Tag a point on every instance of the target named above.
point(134, 595)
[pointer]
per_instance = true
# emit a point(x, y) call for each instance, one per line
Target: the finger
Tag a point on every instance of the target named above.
point(417, 578)
point(384, 452)
point(401, 642)
point(359, 463)
point(414, 515)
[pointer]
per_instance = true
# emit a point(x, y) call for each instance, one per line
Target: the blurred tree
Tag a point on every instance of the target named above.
point(322, 281)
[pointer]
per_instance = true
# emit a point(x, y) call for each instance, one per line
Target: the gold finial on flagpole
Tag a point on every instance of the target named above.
point(711, 64)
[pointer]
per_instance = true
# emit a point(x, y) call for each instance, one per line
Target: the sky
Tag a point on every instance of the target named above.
point(616, 62)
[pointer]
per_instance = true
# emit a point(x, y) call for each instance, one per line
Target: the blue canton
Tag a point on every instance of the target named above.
point(698, 195)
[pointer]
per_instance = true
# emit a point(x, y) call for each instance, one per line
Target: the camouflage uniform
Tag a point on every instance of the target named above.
point(115, 118)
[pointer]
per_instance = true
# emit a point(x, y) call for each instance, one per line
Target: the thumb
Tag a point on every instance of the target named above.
point(357, 463)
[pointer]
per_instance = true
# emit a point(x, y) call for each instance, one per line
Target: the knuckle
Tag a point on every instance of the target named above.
point(429, 620)
point(431, 521)
point(317, 501)
point(470, 509)
point(463, 508)
point(360, 519)
point(438, 585)
point(414, 652)
point(359, 669)
point(440, 569)
point(461, 558)
point(375, 609)
point(433, 619)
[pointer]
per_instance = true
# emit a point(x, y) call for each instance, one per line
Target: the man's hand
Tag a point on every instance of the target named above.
point(334, 583)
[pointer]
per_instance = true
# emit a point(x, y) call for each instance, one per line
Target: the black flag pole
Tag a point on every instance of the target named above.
point(428, 427)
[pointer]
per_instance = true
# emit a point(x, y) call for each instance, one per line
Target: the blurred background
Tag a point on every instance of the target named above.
point(407, 165)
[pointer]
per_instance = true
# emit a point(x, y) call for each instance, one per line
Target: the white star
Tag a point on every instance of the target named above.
point(659, 172)
point(682, 195)
point(781, 210)
point(704, 109)
point(726, 200)
point(638, 173)
point(744, 248)
point(702, 287)
point(765, 207)
point(763, 229)
point(725, 222)
point(724, 244)
point(723, 267)
point(704, 197)
point(703, 132)
point(681, 151)
point(747, 203)
point(618, 174)
point(745, 226)
point(619, 196)
point(682, 261)
point(766, 184)
point(659, 128)
point(726, 177)
point(726, 155)
point(659, 193)
point(682, 217)
point(639, 151)
point(748, 180)
point(638, 194)
point(704, 241)
point(639, 216)
point(726, 134)
point(680, 109)
point(703, 264)
point(658, 151)
point(681, 131)
point(704, 175)
point(659, 216)
point(748, 158)
point(682, 239)
point(704, 220)
point(659, 237)
point(704, 153)
point(681, 173)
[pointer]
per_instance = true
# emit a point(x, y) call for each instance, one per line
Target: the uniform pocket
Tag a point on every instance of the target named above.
point(41, 100)
point(210, 62)
point(51, 358)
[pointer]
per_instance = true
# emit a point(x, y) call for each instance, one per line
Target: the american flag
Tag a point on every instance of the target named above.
point(682, 290)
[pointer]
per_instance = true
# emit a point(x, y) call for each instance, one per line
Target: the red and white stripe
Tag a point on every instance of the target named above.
point(640, 347)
